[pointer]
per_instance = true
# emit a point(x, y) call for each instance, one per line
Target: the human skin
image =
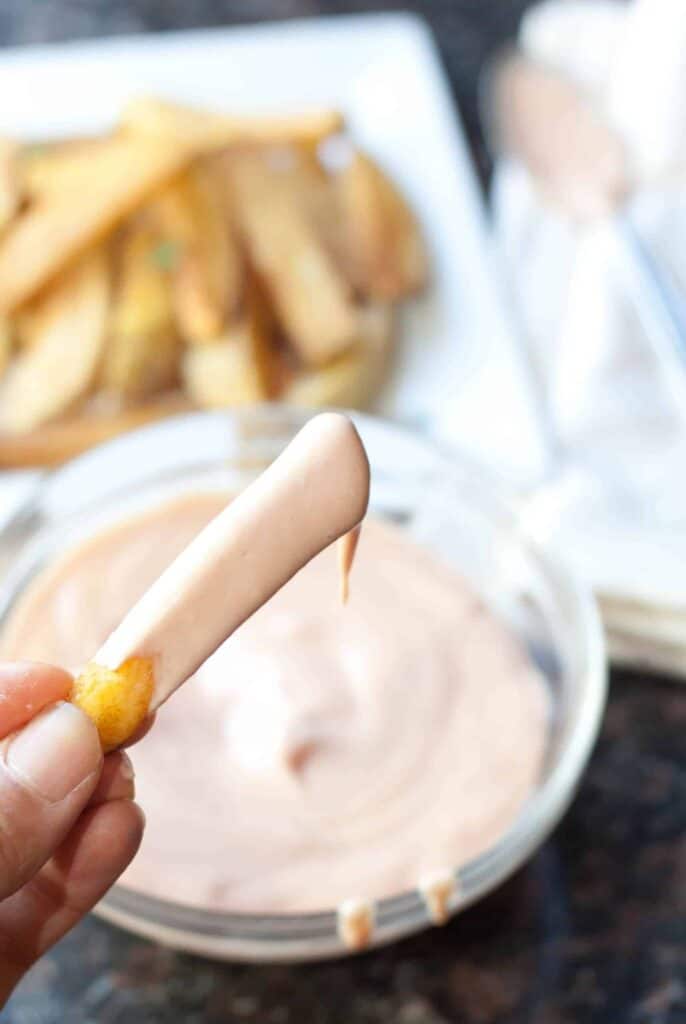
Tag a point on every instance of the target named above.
point(68, 822)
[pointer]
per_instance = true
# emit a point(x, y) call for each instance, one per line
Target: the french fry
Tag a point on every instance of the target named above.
point(384, 250)
point(6, 344)
point(53, 232)
point(353, 379)
point(27, 323)
point(228, 234)
point(206, 271)
point(59, 368)
point(54, 443)
point(51, 168)
point(142, 352)
point(238, 369)
point(204, 130)
point(224, 374)
point(308, 185)
point(310, 296)
point(116, 700)
point(10, 183)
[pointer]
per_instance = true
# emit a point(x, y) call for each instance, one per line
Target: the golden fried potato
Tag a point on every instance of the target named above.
point(55, 167)
point(59, 368)
point(353, 379)
point(310, 296)
point(224, 374)
point(29, 321)
point(206, 269)
point(205, 130)
point(313, 190)
point(191, 249)
point(240, 368)
point(142, 351)
point(116, 700)
point(52, 232)
point(384, 250)
point(6, 344)
point(10, 182)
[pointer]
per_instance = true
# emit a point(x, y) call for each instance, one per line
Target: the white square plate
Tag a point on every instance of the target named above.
point(459, 372)
point(456, 365)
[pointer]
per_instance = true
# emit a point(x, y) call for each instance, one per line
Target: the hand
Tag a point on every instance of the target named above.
point(68, 824)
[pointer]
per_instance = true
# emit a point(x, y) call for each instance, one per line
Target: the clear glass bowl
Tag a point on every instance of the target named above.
point(446, 503)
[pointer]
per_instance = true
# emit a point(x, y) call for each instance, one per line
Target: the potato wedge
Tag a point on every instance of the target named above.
point(116, 700)
point(205, 130)
point(237, 370)
point(6, 344)
point(10, 182)
point(55, 443)
point(142, 350)
point(206, 273)
point(224, 374)
point(27, 323)
point(353, 379)
point(55, 167)
point(53, 232)
point(308, 185)
point(385, 254)
point(310, 296)
point(60, 366)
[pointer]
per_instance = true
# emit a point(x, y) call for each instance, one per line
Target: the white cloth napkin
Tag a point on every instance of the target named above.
point(619, 515)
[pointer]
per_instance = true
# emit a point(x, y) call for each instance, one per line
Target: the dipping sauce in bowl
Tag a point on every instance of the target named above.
point(326, 751)
point(330, 755)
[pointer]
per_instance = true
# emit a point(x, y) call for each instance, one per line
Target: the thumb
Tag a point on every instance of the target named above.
point(48, 771)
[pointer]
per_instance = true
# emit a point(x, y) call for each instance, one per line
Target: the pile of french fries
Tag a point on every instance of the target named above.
point(190, 259)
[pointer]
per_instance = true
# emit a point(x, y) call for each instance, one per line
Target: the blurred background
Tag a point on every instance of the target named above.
point(593, 928)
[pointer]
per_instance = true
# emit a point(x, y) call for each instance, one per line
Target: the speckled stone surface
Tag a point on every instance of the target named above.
point(592, 931)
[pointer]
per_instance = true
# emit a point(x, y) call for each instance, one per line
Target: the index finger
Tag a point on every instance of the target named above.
point(26, 687)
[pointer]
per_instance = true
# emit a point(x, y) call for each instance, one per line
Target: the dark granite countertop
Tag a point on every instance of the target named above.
point(592, 930)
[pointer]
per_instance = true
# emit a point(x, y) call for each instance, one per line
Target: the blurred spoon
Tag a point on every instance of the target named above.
point(580, 167)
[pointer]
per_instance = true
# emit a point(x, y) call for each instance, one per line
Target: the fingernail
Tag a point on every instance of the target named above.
point(126, 768)
point(55, 752)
